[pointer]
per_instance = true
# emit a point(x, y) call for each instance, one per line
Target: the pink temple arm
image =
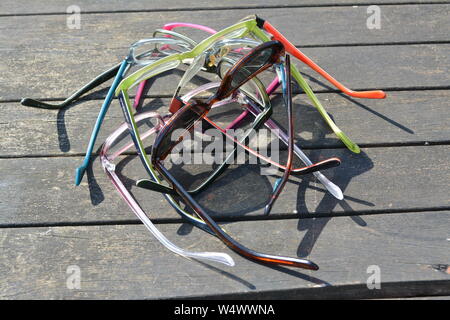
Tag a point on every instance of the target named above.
point(273, 86)
point(173, 25)
point(237, 120)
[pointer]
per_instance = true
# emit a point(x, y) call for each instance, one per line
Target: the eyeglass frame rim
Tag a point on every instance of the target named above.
point(109, 167)
point(226, 238)
point(255, 25)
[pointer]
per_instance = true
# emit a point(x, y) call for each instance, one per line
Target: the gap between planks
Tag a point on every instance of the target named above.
point(272, 217)
point(295, 92)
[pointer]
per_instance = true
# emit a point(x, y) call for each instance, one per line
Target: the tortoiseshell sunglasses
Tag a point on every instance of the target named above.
point(256, 61)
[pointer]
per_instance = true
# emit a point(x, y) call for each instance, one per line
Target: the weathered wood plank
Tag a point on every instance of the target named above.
point(60, 6)
point(356, 67)
point(317, 26)
point(41, 190)
point(302, 26)
point(119, 261)
point(55, 64)
point(404, 117)
point(126, 262)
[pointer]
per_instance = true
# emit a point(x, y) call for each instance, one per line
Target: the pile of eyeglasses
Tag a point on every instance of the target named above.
point(234, 56)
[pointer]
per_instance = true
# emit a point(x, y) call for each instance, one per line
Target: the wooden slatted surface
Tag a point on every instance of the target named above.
point(12, 7)
point(396, 212)
point(125, 262)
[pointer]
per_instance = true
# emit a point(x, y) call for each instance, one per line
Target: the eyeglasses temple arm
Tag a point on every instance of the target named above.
point(307, 89)
point(273, 86)
point(154, 186)
point(109, 168)
point(305, 86)
point(105, 76)
point(227, 239)
point(170, 27)
point(331, 187)
point(375, 94)
point(321, 165)
point(79, 173)
point(287, 94)
point(173, 25)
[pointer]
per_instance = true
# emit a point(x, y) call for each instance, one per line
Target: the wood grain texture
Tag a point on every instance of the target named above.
point(302, 26)
point(377, 67)
point(69, 58)
point(41, 190)
point(395, 214)
point(404, 117)
point(119, 262)
point(11, 7)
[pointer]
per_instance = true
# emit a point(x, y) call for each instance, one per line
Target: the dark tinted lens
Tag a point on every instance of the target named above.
point(250, 67)
point(179, 126)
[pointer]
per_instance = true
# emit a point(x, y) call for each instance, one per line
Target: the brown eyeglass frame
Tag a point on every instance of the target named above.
point(190, 113)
